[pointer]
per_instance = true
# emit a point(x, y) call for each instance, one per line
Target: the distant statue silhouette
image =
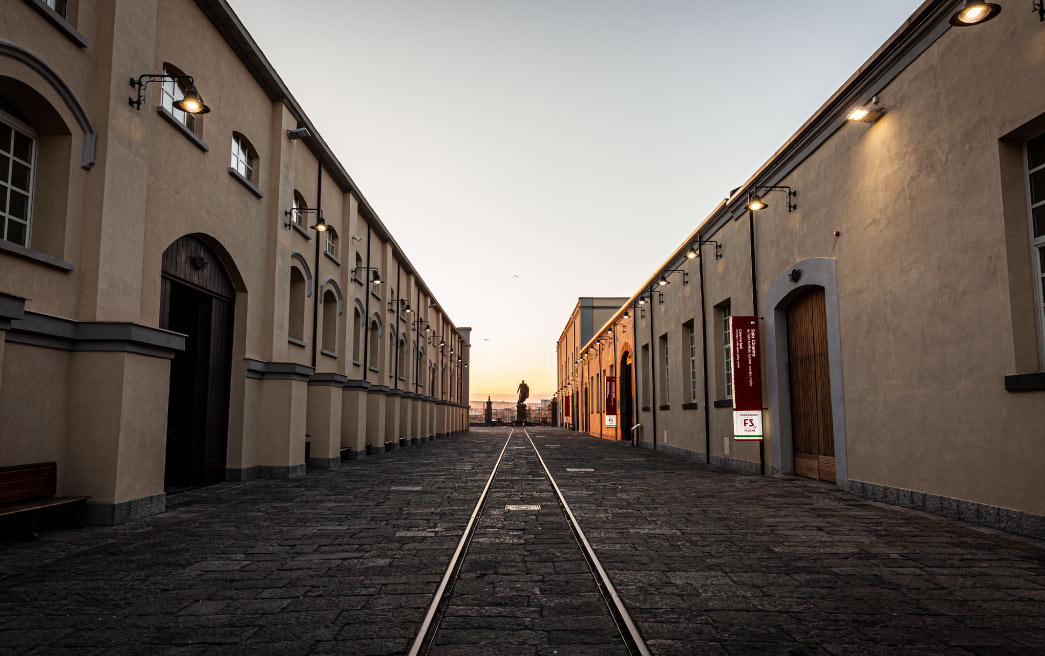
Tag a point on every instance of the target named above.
point(524, 392)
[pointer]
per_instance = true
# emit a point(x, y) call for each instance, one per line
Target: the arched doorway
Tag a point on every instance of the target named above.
point(625, 397)
point(197, 300)
point(810, 384)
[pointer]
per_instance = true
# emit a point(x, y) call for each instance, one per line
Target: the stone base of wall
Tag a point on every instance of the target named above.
point(349, 454)
point(372, 450)
point(736, 464)
point(324, 463)
point(996, 517)
point(110, 514)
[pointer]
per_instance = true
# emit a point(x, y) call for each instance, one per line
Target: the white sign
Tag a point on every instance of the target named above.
point(611, 421)
point(747, 425)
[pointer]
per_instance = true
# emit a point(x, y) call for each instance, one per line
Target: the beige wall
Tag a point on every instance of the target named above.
point(933, 281)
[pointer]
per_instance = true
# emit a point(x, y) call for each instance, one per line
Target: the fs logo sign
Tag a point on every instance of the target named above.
point(747, 378)
point(747, 425)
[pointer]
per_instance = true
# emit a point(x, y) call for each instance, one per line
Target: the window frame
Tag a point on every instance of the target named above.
point(727, 350)
point(330, 242)
point(691, 325)
point(1037, 247)
point(249, 159)
point(665, 352)
point(28, 132)
point(169, 97)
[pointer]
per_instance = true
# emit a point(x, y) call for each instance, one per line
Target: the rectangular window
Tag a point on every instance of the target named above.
point(17, 163)
point(61, 7)
point(665, 379)
point(1036, 196)
point(241, 159)
point(645, 376)
point(727, 351)
point(692, 361)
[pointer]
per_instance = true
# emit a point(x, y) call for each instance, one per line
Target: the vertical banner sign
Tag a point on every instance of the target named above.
point(611, 401)
point(747, 379)
point(566, 408)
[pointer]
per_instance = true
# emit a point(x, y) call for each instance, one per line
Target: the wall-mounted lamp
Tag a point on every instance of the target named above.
point(866, 113)
point(625, 315)
point(756, 204)
point(320, 225)
point(664, 277)
point(974, 12)
point(376, 279)
point(694, 250)
point(397, 304)
point(192, 103)
point(1039, 6)
point(300, 133)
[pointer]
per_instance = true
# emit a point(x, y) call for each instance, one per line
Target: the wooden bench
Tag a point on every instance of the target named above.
point(27, 490)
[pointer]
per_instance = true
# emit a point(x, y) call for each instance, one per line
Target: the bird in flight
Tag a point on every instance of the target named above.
point(515, 275)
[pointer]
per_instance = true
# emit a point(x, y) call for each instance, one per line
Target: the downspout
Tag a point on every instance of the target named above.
point(315, 288)
point(704, 353)
point(366, 309)
point(653, 370)
point(754, 310)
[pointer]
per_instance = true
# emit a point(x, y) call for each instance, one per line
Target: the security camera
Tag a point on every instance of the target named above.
point(300, 133)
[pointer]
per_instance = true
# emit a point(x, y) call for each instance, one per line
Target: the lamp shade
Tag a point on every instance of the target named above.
point(192, 103)
point(757, 204)
point(974, 12)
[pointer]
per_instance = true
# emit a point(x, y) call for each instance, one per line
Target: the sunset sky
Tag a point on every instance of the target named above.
point(525, 154)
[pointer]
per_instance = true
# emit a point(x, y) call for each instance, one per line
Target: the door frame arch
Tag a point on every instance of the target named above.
point(812, 272)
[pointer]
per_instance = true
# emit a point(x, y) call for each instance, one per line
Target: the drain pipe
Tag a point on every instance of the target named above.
point(366, 308)
point(653, 370)
point(704, 353)
point(315, 285)
point(754, 310)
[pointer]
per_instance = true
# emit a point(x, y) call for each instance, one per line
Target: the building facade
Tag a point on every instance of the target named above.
point(575, 406)
point(171, 313)
point(895, 268)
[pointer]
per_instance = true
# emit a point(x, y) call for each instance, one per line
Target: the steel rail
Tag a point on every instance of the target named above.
point(628, 630)
point(442, 593)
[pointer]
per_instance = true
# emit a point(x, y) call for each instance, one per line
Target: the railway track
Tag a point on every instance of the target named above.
point(425, 639)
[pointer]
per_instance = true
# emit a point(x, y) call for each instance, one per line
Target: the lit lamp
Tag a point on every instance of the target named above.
point(691, 254)
point(974, 12)
point(663, 281)
point(866, 113)
point(756, 204)
point(192, 103)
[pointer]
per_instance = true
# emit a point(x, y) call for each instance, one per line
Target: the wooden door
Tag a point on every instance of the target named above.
point(811, 421)
point(197, 300)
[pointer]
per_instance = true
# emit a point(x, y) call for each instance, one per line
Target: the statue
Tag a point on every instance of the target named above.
point(524, 392)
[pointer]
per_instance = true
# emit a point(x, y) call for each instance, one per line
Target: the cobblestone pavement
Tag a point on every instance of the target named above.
point(524, 586)
point(340, 561)
point(710, 561)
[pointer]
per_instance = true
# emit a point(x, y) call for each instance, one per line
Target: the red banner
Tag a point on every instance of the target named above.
point(611, 395)
point(566, 408)
point(747, 378)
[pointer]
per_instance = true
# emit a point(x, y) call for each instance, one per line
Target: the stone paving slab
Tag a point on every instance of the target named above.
point(713, 561)
point(335, 562)
point(524, 586)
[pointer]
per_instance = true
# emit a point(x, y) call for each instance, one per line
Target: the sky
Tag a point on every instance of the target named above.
point(525, 154)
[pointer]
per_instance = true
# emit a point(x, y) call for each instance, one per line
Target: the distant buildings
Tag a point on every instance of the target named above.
point(892, 254)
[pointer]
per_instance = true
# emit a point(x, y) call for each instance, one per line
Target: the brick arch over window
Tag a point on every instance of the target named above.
point(72, 103)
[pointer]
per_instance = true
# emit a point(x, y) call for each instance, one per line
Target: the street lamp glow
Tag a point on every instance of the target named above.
point(974, 12)
point(756, 204)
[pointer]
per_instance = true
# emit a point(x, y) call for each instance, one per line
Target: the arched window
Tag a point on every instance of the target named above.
point(296, 310)
point(245, 158)
point(375, 344)
point(330, 242)
point(403, 357)
point(330, 321)
point(173, 90)
point(296, 207)
point(357, 273)
point(391, 353)
point(357, 335)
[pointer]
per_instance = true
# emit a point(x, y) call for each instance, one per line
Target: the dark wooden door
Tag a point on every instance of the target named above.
point(811, 422)
point(625, 399)
point(197, 300)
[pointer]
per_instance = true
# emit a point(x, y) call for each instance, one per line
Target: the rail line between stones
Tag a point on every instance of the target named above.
point(629, 632)
point(426, 634)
